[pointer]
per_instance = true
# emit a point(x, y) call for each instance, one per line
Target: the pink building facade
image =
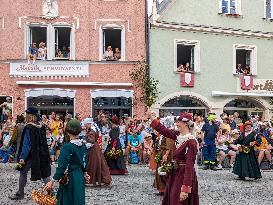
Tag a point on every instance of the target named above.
point(75, 76)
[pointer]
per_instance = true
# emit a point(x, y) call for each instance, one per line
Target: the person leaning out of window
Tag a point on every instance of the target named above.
point(32, 53)
point(117, 54)
point(108, 54)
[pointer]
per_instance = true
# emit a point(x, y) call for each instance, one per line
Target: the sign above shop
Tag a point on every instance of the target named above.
point(49, 69)
point(260, 86)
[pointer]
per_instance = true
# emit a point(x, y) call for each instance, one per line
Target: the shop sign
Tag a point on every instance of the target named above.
point(261, 86)
point(49, 69)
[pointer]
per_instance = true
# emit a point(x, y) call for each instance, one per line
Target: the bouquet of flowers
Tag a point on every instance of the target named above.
point(244, 149)
point(165, 168)
point(114, 154)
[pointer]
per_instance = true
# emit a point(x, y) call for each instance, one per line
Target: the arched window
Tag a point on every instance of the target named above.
point(183, 104)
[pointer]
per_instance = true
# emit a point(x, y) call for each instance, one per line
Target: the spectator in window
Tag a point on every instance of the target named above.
point(108, 54)
point(68, 53)
point(32, 53)
point(187, 67)
point(239, 69)
point(59, 53)
point(64, 52)
point(117, 54)
point(246, 70)
point(42, 51)
point(180, 68)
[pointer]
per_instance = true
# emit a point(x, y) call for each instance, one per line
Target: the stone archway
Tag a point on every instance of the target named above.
point(195, 102)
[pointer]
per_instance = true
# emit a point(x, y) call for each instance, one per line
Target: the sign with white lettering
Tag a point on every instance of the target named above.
point(261, 86)
point(50, 69)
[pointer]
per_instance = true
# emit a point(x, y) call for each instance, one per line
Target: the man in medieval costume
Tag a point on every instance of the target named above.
point(33, 153)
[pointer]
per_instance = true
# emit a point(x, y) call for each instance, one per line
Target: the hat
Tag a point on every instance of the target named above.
point(185, 117)
point(115, 120)
point(87, 121)
point(73, 127)
point(248, 123)
point(212, 117)
point(8, 98)
point(32, 110)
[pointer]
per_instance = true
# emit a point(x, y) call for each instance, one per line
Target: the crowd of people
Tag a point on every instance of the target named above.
point(165, 144)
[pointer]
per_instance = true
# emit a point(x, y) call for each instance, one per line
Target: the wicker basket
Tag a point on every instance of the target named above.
point(42, 198)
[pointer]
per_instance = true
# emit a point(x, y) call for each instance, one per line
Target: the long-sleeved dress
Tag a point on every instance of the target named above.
point(72, 159)
point(183, 178)
point(116, 166)
point(97, 167)
point(246, 165)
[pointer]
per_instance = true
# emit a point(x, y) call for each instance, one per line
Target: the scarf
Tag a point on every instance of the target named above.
point(77, 142)
point(181, 139)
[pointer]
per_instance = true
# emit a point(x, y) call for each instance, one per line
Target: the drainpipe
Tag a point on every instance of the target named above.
point(147, 37)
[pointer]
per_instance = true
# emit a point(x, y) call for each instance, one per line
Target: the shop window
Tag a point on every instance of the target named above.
point(62, 42)
point(187, 56)
point(268, 9)
point(115, 105)
point(230, 7)
point(112, 46)
point(245, 58)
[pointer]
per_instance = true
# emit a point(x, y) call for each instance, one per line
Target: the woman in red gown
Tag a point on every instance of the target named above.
point(182, 186)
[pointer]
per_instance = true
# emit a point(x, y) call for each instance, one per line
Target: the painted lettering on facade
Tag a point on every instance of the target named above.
point(19, 69)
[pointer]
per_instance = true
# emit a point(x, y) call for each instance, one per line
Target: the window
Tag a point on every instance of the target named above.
point(62, 42)
point(115, 105)
point(187, 56)
point(231, 7)
point(268, 9)
point(112, 46)
point(245, 60)
point(58, 41)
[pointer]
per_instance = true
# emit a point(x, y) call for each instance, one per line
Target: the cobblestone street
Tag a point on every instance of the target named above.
point(219, 188)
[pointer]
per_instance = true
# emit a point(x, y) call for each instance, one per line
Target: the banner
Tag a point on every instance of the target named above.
point(187, 79)
point(246, 82)
point(50, 69)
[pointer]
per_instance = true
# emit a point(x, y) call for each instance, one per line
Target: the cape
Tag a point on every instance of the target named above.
point(39, 154)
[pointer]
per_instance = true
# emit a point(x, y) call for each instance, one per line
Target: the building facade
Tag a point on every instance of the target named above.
point(75, 76)
point(212, 56)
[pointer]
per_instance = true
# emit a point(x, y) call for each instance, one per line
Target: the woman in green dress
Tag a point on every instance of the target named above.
point(246, 164)
point(72, 161)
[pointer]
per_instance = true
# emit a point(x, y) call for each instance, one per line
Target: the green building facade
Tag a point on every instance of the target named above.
point(224, 49)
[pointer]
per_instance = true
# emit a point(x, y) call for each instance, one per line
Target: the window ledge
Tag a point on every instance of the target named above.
point(177, 72)
point(238, 75)
point(231, 15)
point(268, 19)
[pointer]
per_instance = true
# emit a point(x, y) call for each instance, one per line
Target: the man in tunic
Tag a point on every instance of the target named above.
point(33, 153)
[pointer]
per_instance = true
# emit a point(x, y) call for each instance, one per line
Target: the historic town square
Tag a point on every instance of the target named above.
point(136, 102)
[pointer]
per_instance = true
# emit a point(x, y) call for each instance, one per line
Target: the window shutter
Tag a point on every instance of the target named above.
point(220, 6)
point(239, 7)
point(192, 59)
point(254, 61)
point(72, 43)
